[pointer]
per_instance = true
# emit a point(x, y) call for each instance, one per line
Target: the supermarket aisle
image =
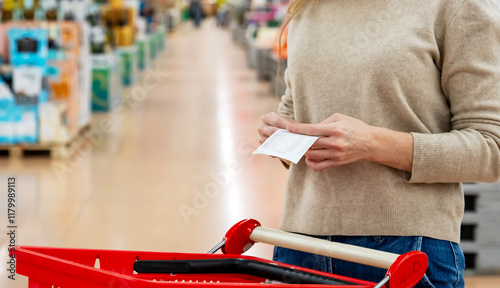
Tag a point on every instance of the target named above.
point(170, 171)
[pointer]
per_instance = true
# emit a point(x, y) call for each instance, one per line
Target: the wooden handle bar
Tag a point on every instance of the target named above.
point(308, 244)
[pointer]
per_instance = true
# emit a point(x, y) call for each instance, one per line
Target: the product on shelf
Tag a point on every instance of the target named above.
point(106, 82)
point(48, 84)
point(8, 10)
point(142, 44)
point(50, 8)
point(128, 64)
point(119, 20)
point(10, 115)
point(23, 87)
point(98, 38)
point(29, 8)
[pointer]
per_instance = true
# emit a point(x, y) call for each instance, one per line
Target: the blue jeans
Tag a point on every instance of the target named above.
point(446, 259)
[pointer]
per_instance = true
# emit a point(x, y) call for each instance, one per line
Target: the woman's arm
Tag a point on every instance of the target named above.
point(470, 81)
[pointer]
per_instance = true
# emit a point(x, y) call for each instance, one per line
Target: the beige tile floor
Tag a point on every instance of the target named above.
point(191, 132)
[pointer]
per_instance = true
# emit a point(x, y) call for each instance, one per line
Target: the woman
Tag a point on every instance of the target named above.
point(405, 96)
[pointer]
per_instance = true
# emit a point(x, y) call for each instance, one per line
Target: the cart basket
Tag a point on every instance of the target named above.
point(86, 268)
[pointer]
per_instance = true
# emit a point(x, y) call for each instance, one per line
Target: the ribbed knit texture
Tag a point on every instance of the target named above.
point(427, 67)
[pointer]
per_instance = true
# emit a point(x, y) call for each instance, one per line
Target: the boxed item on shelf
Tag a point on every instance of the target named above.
point(64, 61)
point(27, 127)
point(152, 46)
point(73, 10)
point(52, 117)
point(18, 123)
point(27, 84)
point(142, 44)
point(84, 67)
point(69, 38)
point(119, 17)
point(64, 92)
point(160, 38)
point(9, 120)
point(120, 21)
point(128, 64)
point(28, 46)
point(9, 115)
point(71, 84)
point(142, 53)
point(106, 82)
point(28, 51)
point(45, 76)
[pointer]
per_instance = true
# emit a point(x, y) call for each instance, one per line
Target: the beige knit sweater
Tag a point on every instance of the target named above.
point(427, 67)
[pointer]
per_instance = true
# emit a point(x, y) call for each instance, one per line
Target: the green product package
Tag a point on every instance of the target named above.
point(101, 90)
point(142, 55)
point(152, 46)
point(128, 66)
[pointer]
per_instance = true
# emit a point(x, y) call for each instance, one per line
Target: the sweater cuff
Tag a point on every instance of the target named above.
point(425, 167)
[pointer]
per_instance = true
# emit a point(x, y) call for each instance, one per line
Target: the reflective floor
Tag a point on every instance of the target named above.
point(170, 169)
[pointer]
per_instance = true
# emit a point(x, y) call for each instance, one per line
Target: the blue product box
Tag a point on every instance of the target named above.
point(27, 126)
point(28, 50)
point(6, 128)
point(28, 47)
point(9, 121)
point(8, 115)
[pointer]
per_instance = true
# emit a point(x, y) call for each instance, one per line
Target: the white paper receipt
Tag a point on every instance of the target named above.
point(286, 145)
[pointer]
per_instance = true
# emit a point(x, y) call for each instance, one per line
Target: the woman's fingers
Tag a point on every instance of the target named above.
point(309, 129)
point(319, 154)
point(277, 120)
point(325, 128)
point(321, 165)
point(272, 122)
point(266, 130)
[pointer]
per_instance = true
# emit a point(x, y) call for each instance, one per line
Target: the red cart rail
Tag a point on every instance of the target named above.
point(76, 268)
point(87, 268)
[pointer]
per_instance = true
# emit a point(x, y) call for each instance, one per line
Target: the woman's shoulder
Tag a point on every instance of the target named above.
point(481, 8)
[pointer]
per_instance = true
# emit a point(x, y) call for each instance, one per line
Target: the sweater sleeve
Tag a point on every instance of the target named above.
point(285, 107)
point(470, 80)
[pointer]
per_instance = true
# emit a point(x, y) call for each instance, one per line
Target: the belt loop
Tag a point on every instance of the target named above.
point(417, 245)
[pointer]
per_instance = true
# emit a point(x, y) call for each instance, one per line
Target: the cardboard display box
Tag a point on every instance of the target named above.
point(106, 82)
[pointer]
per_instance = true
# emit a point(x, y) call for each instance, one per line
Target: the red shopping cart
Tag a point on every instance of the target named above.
point(78, 268)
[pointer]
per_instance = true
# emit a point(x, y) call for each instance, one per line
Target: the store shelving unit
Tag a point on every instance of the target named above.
point(480, 225)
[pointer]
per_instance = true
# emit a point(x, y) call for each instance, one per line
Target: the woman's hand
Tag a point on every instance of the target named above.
point(272, 122)
point(345, 140)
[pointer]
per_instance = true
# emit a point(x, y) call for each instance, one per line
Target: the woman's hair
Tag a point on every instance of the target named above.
point(293, 9)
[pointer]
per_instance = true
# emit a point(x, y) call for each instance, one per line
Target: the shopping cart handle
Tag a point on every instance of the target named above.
point(236, 266)
point(403, 270)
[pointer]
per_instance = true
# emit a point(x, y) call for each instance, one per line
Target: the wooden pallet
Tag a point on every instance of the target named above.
point(55, 151)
